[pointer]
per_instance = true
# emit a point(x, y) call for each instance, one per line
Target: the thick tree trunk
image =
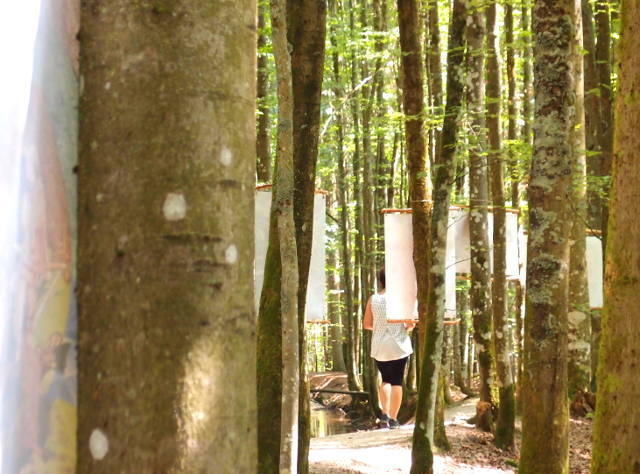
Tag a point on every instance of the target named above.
point(306, 27)
point(579, 363)
point(505, 424)
point(165, 251)
point(480, 292)
point(263, 152)
point(545, 407)
point(617, 431)
point(283, 198)
point(422, 449)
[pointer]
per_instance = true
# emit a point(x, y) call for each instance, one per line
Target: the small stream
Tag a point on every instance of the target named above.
point(328, 421)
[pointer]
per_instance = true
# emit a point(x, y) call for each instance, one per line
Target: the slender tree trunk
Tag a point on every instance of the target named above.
point(512, 112)
point(579, 363)
point(545, 407)
point(263, 152)
point(605, 129)
point(306, 27)
point(346, 277)
point(616, 445)
point(480, 293)
point(505, 424)
point(432, 59)
point(592, 112)
point(422, 450)
point(165, 250)
point(335, 332)
point(518, 303)
point(283, 210)
point(527, 74)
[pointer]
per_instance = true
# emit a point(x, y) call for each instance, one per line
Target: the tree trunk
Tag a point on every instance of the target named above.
point(518, 301)
point(434, 79)
point(505, 424)
point(545, 407)
point(346, 278)
point(592, 114)
point(512, 112)
point(422, 450)
point(263, 153)
point(165, 254)
point(616, 445)
point(306, 26)
point(480, 292)
point(283, 192)
point(335, 331)
point(579, 363)
point(605, 129)
point(527, 74)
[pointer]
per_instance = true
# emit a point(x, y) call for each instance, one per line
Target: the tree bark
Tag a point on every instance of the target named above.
point(306, 28)
point(346, 278)
point(512, 111)
point(480, 292)
point(263, 152)
point(605, 95)
point(616, 430)
point(545, 407)
point(283, 199)
point(579, 363)
point(335, 332)
point(422, 450)
point(592, 114)
point(505, 424)
point(165, 293)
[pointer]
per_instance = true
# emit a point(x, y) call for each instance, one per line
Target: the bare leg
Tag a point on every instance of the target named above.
point(385, 397)
point(395, 401)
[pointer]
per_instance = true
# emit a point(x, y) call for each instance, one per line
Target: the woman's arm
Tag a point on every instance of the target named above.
point(368, 317)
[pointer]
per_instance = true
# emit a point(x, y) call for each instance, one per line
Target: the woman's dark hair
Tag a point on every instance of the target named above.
point(382, 279)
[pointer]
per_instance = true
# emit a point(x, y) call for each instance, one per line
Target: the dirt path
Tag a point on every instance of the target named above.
point(377, 451)
point(389, 451)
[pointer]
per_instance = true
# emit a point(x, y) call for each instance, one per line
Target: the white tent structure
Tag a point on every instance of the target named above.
point(316, 307)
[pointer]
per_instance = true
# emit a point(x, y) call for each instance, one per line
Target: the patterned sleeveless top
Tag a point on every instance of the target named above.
point(390, 341)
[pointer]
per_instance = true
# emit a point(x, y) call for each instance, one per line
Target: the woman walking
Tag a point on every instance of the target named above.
point(390, 347)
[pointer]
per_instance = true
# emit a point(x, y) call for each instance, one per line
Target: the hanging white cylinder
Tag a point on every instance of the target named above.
point(594, 271)
point(315, 308)
point(401, 288)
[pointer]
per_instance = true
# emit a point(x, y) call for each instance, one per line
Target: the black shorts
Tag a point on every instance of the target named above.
point(392, 370)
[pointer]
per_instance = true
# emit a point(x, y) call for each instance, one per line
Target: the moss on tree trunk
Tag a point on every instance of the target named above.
point(544, 389)
point(616, 445)
point(422, 449)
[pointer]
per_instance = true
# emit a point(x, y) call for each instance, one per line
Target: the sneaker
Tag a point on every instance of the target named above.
point(384, 421)
point(393, 424)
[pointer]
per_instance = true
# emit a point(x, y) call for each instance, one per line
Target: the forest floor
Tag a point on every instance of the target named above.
point(378, 451)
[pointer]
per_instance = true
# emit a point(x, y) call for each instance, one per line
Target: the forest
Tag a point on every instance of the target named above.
point(219, 140)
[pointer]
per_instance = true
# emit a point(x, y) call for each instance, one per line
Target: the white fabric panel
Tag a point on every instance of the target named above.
point(316, 299)
point(459, 220)
point(513, 265)
point(594, 271)
point(399, 269)
point(261, 222)
point(316, 307)
point(450, 272)
point(522, 255)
